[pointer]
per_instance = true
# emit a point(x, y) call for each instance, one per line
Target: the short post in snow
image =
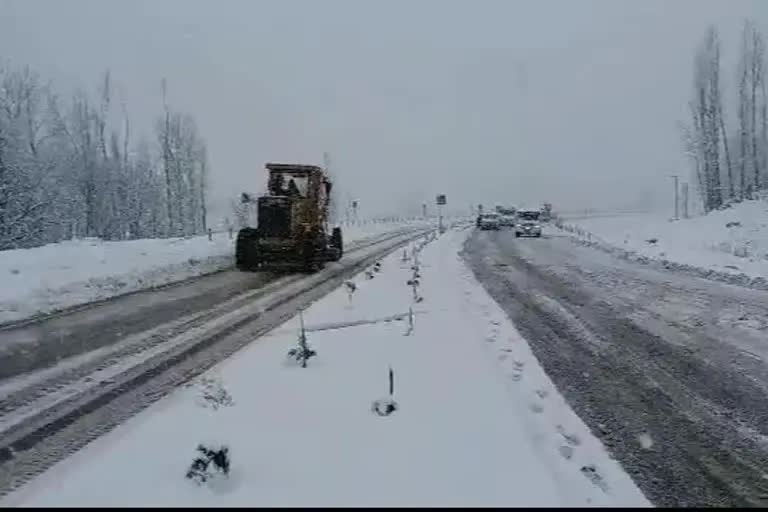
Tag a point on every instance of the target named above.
point(386, 406)
point(210, 234)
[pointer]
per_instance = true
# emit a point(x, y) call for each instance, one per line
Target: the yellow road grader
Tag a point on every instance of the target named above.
point(292, 230)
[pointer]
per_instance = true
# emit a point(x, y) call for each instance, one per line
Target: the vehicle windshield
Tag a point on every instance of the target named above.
point(286, 184)
point(529, 215)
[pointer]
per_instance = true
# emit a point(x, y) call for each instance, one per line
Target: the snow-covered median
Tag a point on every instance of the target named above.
point(729, 245)
point(58, 276)
point(478, 422)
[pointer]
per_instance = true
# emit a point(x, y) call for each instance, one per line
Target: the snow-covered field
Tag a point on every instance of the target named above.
point(731, 243)
point(479, 422)
point(66, 274)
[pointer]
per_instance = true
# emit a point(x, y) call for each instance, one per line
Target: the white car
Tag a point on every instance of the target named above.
point(489, 221)
point(528, 228)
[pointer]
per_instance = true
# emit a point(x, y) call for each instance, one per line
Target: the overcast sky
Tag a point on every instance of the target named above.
point(507, 101)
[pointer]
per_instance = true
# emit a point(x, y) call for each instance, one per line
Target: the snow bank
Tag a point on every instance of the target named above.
point(729, 245)
point(66, 274)
point(478, 423)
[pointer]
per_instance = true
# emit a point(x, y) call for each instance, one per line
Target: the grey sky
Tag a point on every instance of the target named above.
point(487, 101)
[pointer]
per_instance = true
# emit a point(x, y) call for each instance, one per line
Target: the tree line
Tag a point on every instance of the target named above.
point(726, 137)
point(71, 168)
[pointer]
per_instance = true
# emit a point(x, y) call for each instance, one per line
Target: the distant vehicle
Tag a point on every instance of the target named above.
point(507, 221)
point(546, 212)
point(489, 221)
point(528, 228)
point(528, 223)
point(507, 217)
point(529, 215)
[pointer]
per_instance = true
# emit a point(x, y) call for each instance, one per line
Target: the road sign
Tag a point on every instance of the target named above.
point(441, 199)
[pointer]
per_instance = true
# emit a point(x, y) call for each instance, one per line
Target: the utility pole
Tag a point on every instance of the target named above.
point(677, 197)
point(684, 193)
point(424, 210)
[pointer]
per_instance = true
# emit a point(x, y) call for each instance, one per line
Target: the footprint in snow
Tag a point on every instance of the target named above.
point(594, 476)
point(537, 408)
point(542, 393)
point(502, 357)
point(566, 451)
point(571, 439)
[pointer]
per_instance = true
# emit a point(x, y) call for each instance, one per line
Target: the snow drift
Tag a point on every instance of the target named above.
point(728, 245)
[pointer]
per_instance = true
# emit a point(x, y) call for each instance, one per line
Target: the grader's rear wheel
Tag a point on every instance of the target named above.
point(247, 250)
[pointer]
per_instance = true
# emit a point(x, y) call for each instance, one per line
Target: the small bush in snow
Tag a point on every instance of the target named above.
point(213, 394)
point(208, 463)
point(302, 352)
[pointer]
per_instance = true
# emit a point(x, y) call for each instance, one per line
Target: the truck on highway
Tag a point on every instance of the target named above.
point(293, 225)
point(506, 216)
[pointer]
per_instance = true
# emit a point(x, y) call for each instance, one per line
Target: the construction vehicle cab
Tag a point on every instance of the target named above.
point(293, 230)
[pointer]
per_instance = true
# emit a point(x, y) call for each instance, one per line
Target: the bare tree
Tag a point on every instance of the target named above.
point(728, 161)
point(756, 75)
point(66, 171)
point(751, 73)
point(702, 138)
point(744, 107)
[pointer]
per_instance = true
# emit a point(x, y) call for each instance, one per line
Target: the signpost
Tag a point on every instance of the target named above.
point(441, 201)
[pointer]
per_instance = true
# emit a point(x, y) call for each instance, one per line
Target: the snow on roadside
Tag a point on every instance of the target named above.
point(729, 245)
point(66, 274)
point(478, 423)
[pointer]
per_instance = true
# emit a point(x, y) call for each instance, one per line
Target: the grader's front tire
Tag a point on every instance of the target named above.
point(247, 250)
point(337, 242)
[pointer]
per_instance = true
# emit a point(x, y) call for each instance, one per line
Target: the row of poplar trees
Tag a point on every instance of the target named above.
point(70, 167)
point(726, 138)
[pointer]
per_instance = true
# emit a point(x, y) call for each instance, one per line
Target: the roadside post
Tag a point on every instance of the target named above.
point(440, 203)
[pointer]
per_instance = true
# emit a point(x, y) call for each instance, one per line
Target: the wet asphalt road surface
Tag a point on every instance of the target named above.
point(40, 344)
point(669, 371)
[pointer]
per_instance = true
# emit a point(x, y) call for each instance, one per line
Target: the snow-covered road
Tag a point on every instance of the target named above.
point(479, 423)
point(50, 340)
point(71, 273)
point(668, 369)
